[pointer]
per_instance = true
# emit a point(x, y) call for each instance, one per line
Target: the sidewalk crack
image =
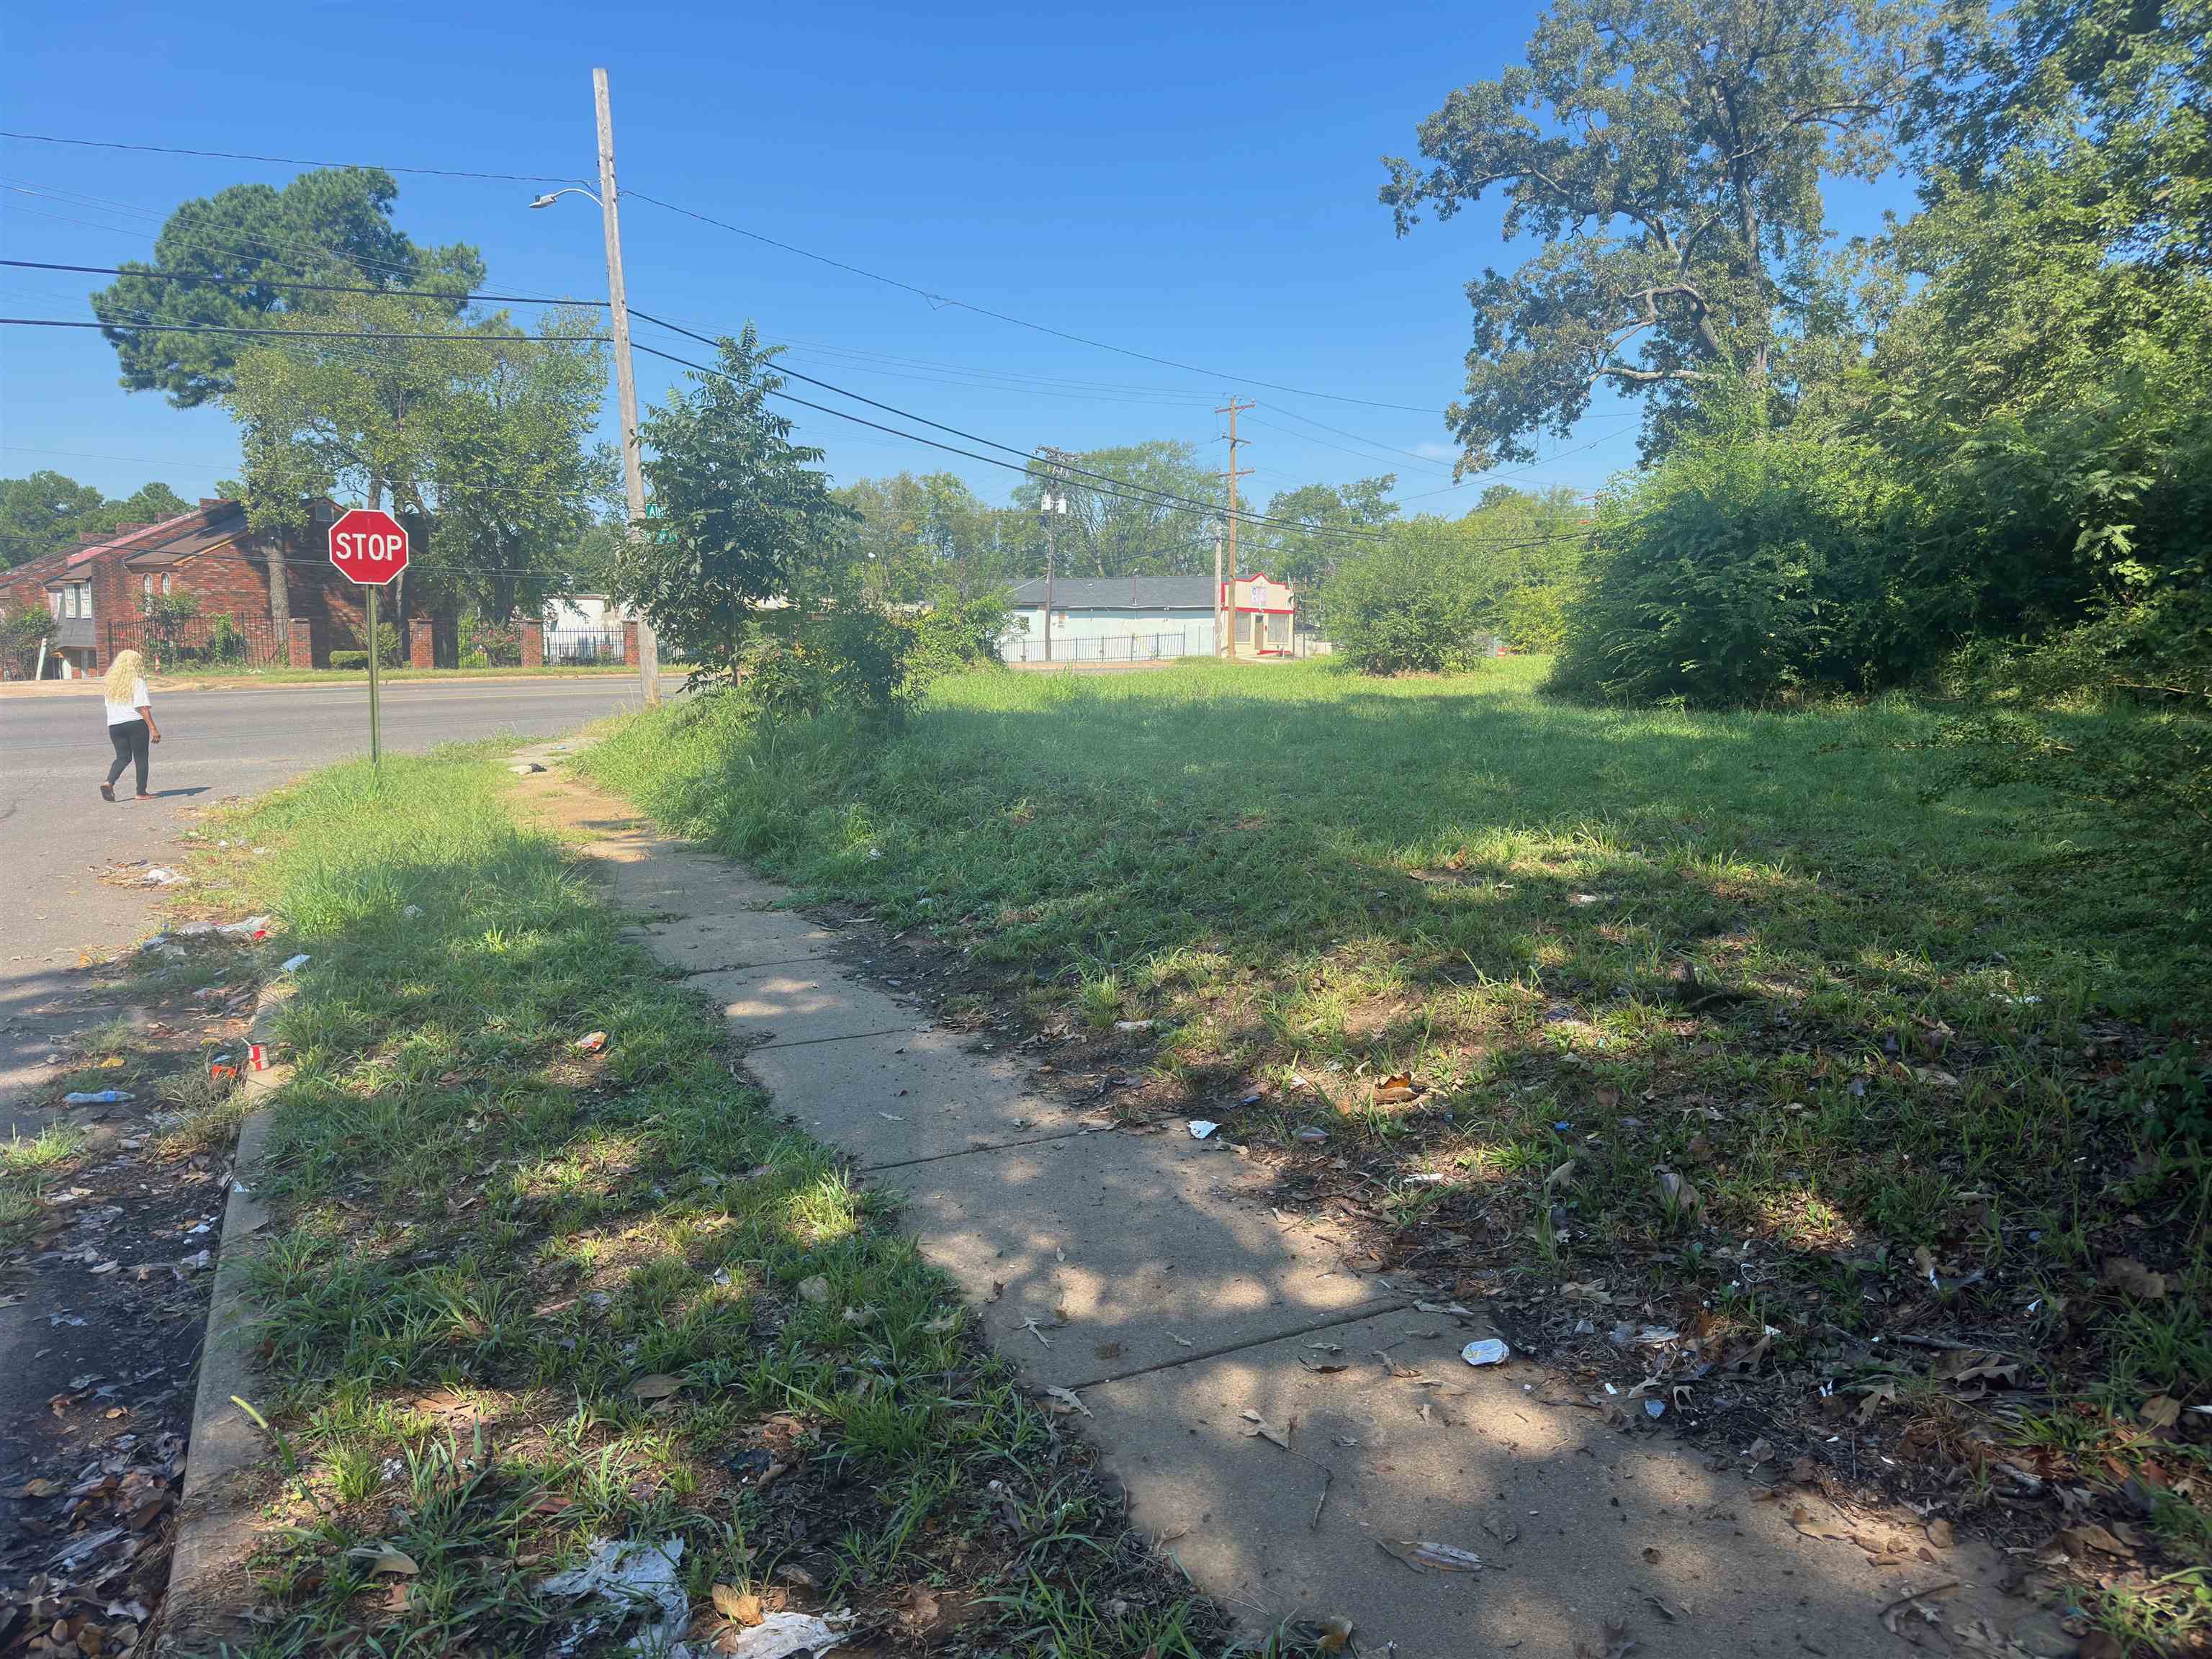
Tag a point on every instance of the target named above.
point(1198, 1356)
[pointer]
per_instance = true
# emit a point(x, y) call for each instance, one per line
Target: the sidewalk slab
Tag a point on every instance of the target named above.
point(736, 937)
point(902, 1098)
point(1116, 1247)
point(804, 1004)
point(664, 878)
point(1605, 1518)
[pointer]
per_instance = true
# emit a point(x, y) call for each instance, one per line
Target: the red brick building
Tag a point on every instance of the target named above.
point(105, 595)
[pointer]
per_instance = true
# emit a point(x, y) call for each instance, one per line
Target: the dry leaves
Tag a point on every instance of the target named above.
point(386, 1558)
point(659, 1386)
point(739, 1606)
point(1257, 1427)
point(1398, 1086)
point(2131, 1277)
point(817, 1289)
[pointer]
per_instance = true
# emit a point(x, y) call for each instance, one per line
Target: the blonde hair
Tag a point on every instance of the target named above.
point(128, 667)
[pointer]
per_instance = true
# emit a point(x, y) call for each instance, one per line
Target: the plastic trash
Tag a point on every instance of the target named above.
point(782, 1634)
point(99, 1097)
point(1490, 1351)
point(251, 927)
point(592, 1043)
point(1312, 1136)
point(158, 876)
point(1655, 1408)
point(1133, 1024)
point(627, 1575)
point(1202, 1126)
point(293, 964)
point(524, 768)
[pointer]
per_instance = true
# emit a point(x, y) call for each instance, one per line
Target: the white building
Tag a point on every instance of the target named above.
point(1132, 618)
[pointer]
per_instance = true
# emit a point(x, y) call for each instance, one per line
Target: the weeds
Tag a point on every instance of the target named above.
point(511, 1303)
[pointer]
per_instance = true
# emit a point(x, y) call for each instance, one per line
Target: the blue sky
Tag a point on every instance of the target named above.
point(1196, 183)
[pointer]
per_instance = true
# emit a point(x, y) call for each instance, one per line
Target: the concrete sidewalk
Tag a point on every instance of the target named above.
point(1150, 1274)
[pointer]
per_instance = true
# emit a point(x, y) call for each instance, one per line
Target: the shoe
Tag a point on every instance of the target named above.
point(107, 792)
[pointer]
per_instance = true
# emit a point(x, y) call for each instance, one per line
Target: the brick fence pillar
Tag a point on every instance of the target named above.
point(421, 651)
point(533, 644)
point(301, 643)
point(629, 641)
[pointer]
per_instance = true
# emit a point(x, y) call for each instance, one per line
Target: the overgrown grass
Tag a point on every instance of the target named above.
point(1927, 1057)
point(517, 1296)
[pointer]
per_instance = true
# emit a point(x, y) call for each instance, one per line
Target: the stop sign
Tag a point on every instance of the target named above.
point(368, 546)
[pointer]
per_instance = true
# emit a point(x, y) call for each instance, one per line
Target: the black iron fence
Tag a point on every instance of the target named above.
point(578, 647)
point(224, 639)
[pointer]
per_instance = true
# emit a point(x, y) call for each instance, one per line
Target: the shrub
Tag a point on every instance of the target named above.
point(21, 634)
point(1405, 606)
point(953, 634)
point(1751, 566)
point(845, 658)
point(350, 660)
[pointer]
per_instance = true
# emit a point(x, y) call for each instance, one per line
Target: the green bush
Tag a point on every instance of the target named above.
point(21, 634)
point(1751, 566)
point(1405, 606)
point(953, 635)
point(350, 660)
point(845, 658)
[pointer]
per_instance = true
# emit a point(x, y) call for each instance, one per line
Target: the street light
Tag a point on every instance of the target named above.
point(648, 648)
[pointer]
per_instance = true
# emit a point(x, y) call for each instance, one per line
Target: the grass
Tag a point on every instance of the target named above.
point(1922, 1058)
point(516, 1298)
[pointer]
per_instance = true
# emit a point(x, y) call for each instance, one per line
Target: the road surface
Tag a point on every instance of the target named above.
point(55, 830)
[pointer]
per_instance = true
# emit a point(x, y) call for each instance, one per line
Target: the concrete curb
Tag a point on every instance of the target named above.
point(214, 1532)
point(86, 688)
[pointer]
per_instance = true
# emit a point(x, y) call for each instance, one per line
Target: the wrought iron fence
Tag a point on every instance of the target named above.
point(581, 646)
point(224, 639)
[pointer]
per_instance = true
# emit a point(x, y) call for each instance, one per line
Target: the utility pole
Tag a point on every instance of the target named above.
point(1229, 593)
point(1051, 506)
point(1217, 588)
point(648, 648)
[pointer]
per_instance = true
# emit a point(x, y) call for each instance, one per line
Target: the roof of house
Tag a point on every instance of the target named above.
point(220, 526)
point(139, 536)
point(1118, 593)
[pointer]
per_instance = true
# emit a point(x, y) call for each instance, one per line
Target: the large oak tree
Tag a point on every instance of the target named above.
point(1669, 153)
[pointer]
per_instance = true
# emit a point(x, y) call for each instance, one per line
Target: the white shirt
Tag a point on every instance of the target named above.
point(122, 714)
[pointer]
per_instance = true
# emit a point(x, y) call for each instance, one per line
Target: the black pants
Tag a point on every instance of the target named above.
point(133, 742)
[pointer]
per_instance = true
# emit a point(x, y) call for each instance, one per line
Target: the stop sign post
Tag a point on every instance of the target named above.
point(369, 547)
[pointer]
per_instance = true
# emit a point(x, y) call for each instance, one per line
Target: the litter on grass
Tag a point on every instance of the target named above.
point(99, 1097)
point(592, 1043)
point(782, 1634)
point(1490, 1351)
point(293, 964)
point(1202, 1126)
point(629, 1573)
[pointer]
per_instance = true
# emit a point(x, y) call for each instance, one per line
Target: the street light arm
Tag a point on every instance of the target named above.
point(553, 196)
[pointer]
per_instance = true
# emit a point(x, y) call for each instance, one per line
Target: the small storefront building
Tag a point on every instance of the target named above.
point(1141, 618)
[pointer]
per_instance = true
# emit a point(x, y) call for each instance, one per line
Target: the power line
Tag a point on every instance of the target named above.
point(311, 287)
point(942, 301)
point(313, 333)
point(287, 160)
point(1166, 497)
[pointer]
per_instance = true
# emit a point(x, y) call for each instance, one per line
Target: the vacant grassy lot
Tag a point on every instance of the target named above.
point(1884, 1098)
point(522, 1293)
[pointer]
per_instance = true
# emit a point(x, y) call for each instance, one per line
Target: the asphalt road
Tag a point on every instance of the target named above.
point(55, 830)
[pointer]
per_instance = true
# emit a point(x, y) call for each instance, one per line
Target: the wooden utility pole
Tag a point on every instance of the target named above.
point(648, 648)
point(1051, 506)
point(1229, 593)
point(1218, 613)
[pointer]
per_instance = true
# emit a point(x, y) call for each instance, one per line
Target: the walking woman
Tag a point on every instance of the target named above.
point(130, 726)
